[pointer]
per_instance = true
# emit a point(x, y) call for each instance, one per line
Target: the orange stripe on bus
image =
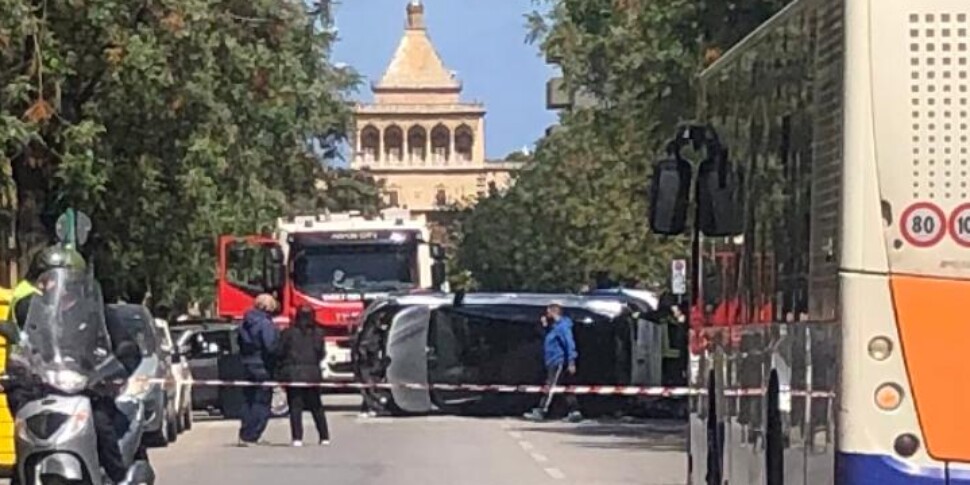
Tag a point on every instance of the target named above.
point(934, 325)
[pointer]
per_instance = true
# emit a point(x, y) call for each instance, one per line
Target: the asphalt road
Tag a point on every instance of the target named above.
point(431, 450)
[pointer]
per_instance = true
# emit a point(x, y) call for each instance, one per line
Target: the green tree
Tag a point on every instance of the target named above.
point(169, 122)
point(518, 156)
point(579, 208)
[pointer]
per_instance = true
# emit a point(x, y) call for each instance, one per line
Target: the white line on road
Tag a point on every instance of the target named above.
point(555, 473)
point(526, 445)
point(539, 457)
point(515, 435)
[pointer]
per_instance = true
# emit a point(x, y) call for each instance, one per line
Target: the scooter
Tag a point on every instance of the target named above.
point(66, 349)
point(57, 442)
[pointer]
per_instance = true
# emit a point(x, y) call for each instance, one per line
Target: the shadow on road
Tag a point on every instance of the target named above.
point(612, 435)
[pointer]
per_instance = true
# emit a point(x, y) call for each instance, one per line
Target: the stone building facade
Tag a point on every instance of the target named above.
point(418, 136)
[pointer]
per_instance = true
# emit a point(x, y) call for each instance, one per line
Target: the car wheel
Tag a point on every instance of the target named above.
point(187, 419)
point(173, 427)
point(160, 438)
point(179, 423)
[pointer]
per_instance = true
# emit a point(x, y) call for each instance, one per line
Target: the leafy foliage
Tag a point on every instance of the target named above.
point(578, 210)
point(169, 122)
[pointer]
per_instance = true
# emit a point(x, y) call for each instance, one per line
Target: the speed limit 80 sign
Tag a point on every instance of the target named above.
point(960, 225)
point(923, 225)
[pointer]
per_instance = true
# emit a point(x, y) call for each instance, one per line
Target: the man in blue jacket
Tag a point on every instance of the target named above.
point(257, 337)
point(560, 354)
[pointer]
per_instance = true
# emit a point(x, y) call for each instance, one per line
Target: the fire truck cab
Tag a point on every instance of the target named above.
point(335, 263)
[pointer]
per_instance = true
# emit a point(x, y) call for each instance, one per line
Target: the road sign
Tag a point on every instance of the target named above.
point(960, 225)
point(923, 225)
point(73, 227)
point(678, 276)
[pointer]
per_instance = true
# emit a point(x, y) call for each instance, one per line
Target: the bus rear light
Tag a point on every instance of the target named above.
point(880, 348)
point(906, 445)
point(889, 397)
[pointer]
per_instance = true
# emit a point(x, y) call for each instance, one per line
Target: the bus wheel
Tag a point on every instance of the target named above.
point(774, 445)
point(715, 437)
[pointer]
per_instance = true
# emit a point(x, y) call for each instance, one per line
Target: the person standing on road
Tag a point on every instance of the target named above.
point(560, 355)
point(301, 351)
point(257, 338)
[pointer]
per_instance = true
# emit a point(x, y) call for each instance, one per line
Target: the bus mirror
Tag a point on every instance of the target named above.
point(719, 198)
point(669, 192)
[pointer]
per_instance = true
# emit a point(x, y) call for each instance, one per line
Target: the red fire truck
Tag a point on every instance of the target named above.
point(336, 263)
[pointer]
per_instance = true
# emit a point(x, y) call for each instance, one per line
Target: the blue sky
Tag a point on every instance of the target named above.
point(483, 40)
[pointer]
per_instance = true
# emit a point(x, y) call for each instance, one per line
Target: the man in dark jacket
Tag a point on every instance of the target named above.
point(559, 355)
point(301, 351)
point(258, 338)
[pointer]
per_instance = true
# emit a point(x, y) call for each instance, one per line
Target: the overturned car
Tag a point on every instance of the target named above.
point(496, 339)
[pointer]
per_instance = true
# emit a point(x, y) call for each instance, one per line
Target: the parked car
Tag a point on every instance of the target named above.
point(211, 352)
point(210, 348)
point(152, 381)
point(182, 375)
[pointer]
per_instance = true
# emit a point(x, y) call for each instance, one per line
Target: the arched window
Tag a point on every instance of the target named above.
point(370, 144)
point(440, 144)
point(464, 143)
point(417, 143)
point(440, 197)
point(393, 196)
point(394, 143)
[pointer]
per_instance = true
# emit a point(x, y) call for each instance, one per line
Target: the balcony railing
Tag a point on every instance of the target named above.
point(415, 158)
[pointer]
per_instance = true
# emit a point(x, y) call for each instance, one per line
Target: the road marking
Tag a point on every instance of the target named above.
point(526, 445)
point(555, 473)
point(539, 457)
point(515, 435)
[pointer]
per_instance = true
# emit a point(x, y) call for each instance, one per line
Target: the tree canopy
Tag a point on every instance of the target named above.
point(169, 122)
point(578, 210)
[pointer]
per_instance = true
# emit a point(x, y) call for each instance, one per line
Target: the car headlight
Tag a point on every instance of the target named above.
point(66, 381)
point(137, 386)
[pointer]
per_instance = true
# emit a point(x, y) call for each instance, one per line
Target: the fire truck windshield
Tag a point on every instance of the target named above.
point(322, 269)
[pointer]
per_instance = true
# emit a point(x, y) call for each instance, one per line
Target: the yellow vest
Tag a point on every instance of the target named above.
point(22, 290)
point(7, 456)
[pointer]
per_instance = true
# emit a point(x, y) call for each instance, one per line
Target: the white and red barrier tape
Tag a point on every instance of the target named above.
point(651, 391)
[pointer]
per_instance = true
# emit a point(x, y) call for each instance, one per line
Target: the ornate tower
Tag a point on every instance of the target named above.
point(418, 135)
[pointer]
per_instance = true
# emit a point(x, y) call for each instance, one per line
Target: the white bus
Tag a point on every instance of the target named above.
point(830, 338)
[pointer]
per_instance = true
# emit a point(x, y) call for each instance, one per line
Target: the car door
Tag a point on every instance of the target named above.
point(202, 359)
point(407, 347)
point(164, 368)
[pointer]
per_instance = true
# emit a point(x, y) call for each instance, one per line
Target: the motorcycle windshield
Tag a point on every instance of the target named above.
point(65, 328)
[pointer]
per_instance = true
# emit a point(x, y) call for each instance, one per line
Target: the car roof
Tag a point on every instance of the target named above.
point(644, 297)
point(202, 326)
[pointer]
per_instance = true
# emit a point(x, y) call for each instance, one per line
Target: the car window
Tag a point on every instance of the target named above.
point(140, 326)
point(210, 344)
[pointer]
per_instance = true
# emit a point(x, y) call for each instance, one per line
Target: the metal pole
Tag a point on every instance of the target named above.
point(71, 229)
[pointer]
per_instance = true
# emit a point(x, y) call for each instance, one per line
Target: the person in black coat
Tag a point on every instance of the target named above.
point(301, 350)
